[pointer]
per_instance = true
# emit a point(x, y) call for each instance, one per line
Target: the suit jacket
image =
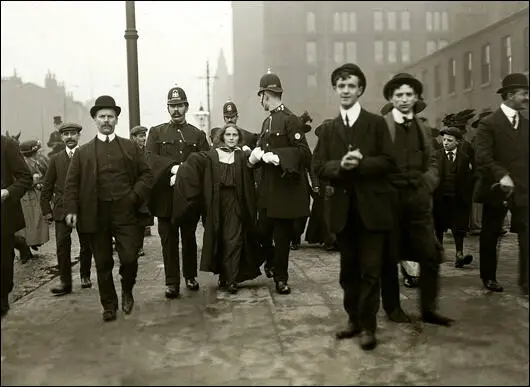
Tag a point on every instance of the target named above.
point(80, 191)
point(463, 176)
point(53, 187)
point(17, 179)
point(369, 179)
point(501, 150)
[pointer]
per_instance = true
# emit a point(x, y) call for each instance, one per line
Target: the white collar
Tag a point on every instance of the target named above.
point(352, 113)
point(103, 137)
point(71, 151)
point(452, 151)
point(225, 157)
point(508, 111)
point(399, 117)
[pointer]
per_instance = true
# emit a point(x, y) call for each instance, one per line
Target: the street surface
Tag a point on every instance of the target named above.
point(258, 337)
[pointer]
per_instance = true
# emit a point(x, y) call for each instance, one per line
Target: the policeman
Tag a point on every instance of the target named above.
point(230, 116)
point(283, 156)
point(175, 141)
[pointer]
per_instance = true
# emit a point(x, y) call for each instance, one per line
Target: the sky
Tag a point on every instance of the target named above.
point(83, 43)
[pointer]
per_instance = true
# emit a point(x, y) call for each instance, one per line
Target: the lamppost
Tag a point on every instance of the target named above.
point(203, 119)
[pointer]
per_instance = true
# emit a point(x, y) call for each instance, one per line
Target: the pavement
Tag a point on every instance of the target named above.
point(258, 337)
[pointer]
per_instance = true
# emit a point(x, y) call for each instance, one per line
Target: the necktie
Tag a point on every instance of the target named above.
point(107, 140)
point(70, 154)
point(514, 121)
point(346, 121)
point(451, 156)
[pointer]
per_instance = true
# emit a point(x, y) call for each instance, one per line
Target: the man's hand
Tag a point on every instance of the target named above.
point(507, 184)
point(271, 158)
point(172, 180)
point(174, 169)
point(255, 155)
point(71, 220)
point(351, 159)
point(5, 194)
point(48, 218)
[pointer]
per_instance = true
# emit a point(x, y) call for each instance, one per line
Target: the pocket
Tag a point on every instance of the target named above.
point(167, 147)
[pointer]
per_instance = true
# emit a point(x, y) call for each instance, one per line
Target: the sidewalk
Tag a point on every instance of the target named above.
point(258, 337)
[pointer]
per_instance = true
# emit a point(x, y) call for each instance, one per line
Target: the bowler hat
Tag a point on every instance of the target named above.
point(69, 126)
point(138, 129)
point(402, 79)
point(513, 81)
point(418, 107)
point(105, 102)
point(229, 109)
point(353, 69)
point(452, 131)
point(29, 147)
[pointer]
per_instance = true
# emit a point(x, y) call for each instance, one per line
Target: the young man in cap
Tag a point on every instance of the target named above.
point(107, 181)
point(354, 154)
point(502, 162)
point(16, 180)
point(230, 116)
point(452, 197)
point(52, 191)
point(283, 156)
point(414, 183)
point(173, 142)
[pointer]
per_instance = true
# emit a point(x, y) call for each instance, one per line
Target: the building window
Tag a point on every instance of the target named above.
point(437, 82)
point(445, 21)
point(405, 21)
point(311, 52)
point(392, 51)
point(451, 76)
point(525, 50)
point(379, 51)
point(336, 22)
point(442, 44)
point(311, 81)
point(405, 51)
point(351, 52)
point(311, 22)
point(425, 81)
point(485, 64)
point(391, 20)
point(468, 70)
point(344, 18)
point(353, 22)
point(436, 26)
point(428, 20)
point(338, 52)
point(378, 20)
point(506, 56)
point(431, 47)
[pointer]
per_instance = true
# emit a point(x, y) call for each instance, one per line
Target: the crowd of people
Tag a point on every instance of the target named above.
point(385, 188)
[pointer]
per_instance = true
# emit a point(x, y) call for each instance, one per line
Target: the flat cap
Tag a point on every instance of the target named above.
point(65, 126)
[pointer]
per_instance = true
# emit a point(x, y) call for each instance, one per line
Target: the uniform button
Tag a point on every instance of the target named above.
point(277, 134)
point(180, 152)
point(267, 145)
point(180, 140)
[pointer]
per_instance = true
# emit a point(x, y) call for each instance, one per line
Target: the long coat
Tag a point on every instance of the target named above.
point(80, 192)
point(53, 187)
point(198, 181)
point(372, 190)
point(501, 150)
point(17, 179)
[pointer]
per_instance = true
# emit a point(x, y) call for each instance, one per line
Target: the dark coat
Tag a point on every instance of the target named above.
point(198, 181)
point(80, 192)
point(53, 187)
point(17, 179)
point(282, 189)
point(372, 190)
point(501, 150)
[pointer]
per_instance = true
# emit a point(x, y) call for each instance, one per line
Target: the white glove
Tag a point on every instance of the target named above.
point(174, 169)
point(172, 180)
point(245, 148)
point(256, 155)
point(356, 154)
point(271, 158)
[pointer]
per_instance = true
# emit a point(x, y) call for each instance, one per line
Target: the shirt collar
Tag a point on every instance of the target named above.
point(508, 111)
point(400, 117)
point(103, 137)
point(452, 151)
point(71, 151)
point(352, 113)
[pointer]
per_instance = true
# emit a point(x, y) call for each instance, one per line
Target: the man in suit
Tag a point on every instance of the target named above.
point(502, 163)
point(354, 154)
point(283, 156)
point(16, 180)
point(106, 183)
point(52, 191)
point(174, 141)
point(452, 197)
point(414, 183)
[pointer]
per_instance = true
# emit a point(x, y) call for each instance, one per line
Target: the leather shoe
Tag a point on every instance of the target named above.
point(493, 286)
point(269, 272)
point(398, 315)
point(411, 282)
point(232, 288)
point(192, 284)
point(127, 302)
point(347, 333)
point(282, 287)
point(172, 291)
point(436, 319)
point(86, 283)
point(109, 315)
point(368, 340)
point(461, 260)
point(61, 290)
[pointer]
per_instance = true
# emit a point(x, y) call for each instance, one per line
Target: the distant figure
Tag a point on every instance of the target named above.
point(55, 141)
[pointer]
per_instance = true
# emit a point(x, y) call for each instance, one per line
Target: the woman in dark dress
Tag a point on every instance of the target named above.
point(221, 184)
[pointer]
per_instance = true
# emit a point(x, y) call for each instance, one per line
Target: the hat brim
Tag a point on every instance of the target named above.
point(230, 114)
point(176, 102)
point(456, 135)
point(511, 87)
point(273, 89)
point(413, 82)
point(69, 130)
point(95, 109)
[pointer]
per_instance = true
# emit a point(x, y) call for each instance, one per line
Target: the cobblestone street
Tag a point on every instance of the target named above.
point(258, 337)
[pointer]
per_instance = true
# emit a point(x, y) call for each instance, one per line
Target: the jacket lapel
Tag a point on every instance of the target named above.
point(341, 131)
point(505, 125)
